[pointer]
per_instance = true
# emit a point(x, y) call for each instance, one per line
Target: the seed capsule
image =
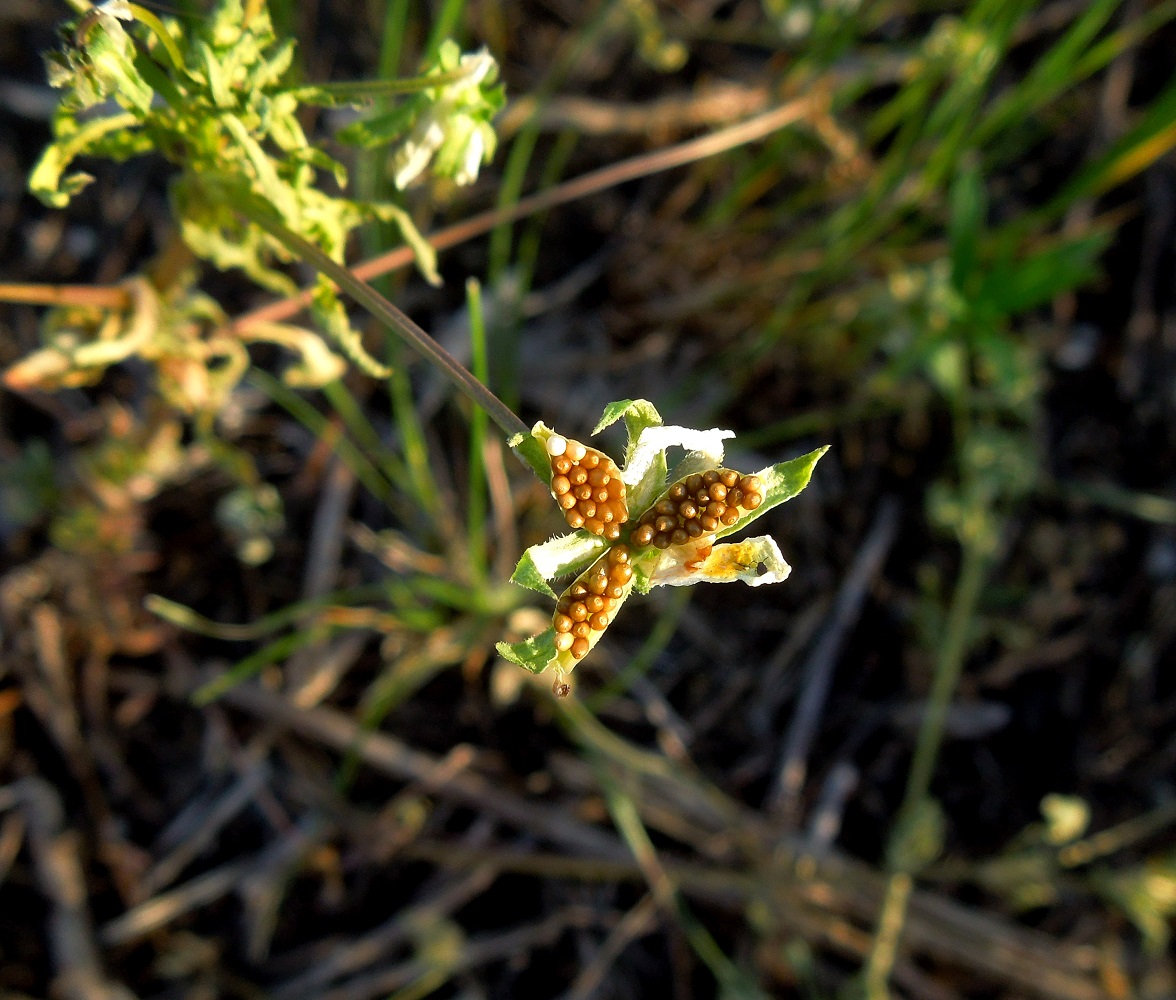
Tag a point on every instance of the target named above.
point(698, 505)
point(586, 608)
point(587, 485)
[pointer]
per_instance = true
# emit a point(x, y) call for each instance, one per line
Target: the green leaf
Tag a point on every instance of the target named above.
point(969, 208)
point(1138, 149)
point(533, 654)
point(381, 129)
point(45, 182)
point(1013, 286)
point(422, 249)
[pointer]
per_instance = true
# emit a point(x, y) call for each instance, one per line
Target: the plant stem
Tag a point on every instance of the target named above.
point(409, 331)
point(947, 674)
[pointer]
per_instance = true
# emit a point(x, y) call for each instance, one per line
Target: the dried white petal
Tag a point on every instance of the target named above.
point(755, 561)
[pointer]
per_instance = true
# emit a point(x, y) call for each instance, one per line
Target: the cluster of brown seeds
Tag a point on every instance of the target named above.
point(588, 604)
point(587, 485)
point(697, 505)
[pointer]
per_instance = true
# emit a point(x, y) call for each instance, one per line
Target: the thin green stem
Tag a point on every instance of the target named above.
point(410, 332)
point(445, 26)
point(947, 675)
point(348, 91)
point(476, 504)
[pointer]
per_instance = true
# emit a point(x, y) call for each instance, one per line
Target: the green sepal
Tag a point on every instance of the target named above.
point(780, 483)
point(533, 654)
point(531, 448)
point(557, 557)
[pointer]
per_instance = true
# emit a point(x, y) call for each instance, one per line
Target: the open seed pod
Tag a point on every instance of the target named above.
point(587, 485)
point(589, 605)
point(697, 505)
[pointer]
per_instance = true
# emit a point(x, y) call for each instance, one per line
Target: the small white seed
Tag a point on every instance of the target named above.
point(556, 445)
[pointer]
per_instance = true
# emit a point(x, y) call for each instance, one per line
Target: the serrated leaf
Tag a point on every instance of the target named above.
point(557, 557)
point(533, 654)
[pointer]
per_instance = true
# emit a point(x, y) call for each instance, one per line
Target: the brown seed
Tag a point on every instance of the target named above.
point(594, 525)
point(693, 528)
point(563, 623)
point(562, 465)
point(661, 540)
point(575, 519)
point(562, 605)
point(560, 484)
point(577, 612)
point(587, 508)
point(703, 497)
point(581, 629)
point(595, 603)
point(715, 508)
point(578, 476)
point(583, 492)
point(708, 523)
point(717, 491)
point(615, 591)
point(710, 476)
point(576, 451)
point(612, 531)
point(564, 641)
point(619, 554)
point(621, 573)
point(616, 488)
point(665, 523)
point(599, 477)
point(750, 484)
point(590, 460)
point(677, 491)
point(693, 483)
point(567, 501)
point(735, 497)
point(643, 535)
point(687, 510)
point(580, 648)
point(599, 621)
point(667, 507)
point(605, 515)
point(578, 590)
point(752, 500)
point(679, 537)
point(729, 516)
point(596, 584)
point(729, 478)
